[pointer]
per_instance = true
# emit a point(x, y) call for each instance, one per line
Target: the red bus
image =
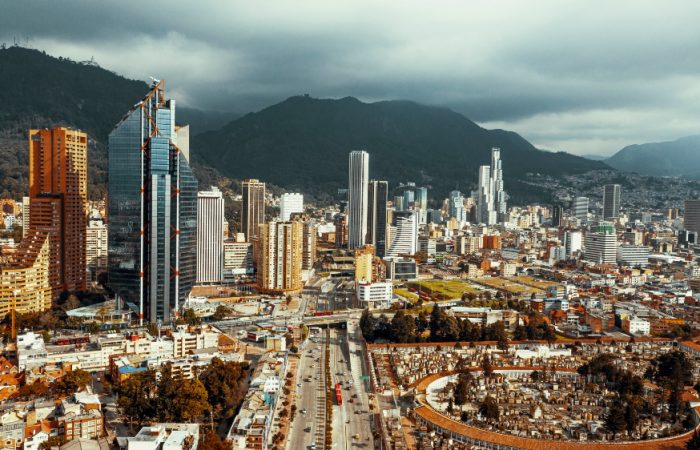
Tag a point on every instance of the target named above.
point(338, 394)
point(323, 313)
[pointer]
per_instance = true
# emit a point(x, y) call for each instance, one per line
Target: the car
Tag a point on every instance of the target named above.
point(307, 429)
point(303, 411)
point(298, 384)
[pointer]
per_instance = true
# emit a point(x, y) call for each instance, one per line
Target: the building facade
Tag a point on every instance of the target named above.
point(612, 194)
point(358, 178)
point(210, 236)
point(253, 208)
point(97, 245)
point(58, 202)
point(152, 209)
point(280, 256)
point(290, 204)
point(378, 192)
point(579, 208)
point(405, 237)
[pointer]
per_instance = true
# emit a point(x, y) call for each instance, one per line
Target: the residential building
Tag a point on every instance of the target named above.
point(164, 436)
point(358, 178)
point(572, 242)
point(210, 236)
point(691, 217)
point(58, 202)
point(611, 201)
point(238, 258)
point(26, 286)
point(152, 208)
point(377, 215)
point(252, 208)
point(290, 204)
point(280, 256)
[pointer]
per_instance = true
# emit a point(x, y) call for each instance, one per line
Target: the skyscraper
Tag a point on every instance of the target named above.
point(96, 245)
point(58, 202)
point(152, 208)
point(377, 196)
point(422, 198)
point(557, 214)
point(491, 202)
point(358, 177)
point(210, 236)
point(253, 208)
point(611, 201)
point(455, 206)
point(691, 216)
point(280, 250)
point(290, 204)
point(600, 247)
point(409, 199)
point(579, 208)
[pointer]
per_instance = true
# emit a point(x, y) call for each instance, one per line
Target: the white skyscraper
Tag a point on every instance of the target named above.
point(290, 204)
point(491, 197)
point(210, 236)
point(358, 178)
point(405, 237)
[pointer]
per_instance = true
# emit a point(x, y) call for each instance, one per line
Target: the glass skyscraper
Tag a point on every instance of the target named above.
point(152, 209)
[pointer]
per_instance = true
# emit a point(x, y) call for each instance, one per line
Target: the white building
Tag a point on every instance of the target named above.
point(579, 208)
point(600, 248)
point(290, 204)
point(210, 236)
point(572, 242)
point(375, 295)
point(405, 236)
point(639, 326)
point(358, 178)
point(164, 436)
point(633, 255)
point(238, 259)
point(96, 242)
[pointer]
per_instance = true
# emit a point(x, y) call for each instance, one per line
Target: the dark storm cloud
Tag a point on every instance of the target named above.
point(584, 76)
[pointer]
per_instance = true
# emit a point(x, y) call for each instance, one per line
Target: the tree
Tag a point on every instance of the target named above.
point(402, 328)
point(213, 441)
point(72, 382)
point(152, 328)
point(190, 318)
point(489, 408)
point(224, 384)
point(461, 390)
point(368, 325)
point(486, 366)
point(137, 397)
point(33, 390)
point(694, 442)
point(221, 312)
point(673, 371)
point(53, 441)
point(615, 418)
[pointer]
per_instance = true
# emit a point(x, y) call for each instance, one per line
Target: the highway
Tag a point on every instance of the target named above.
point(309, 421)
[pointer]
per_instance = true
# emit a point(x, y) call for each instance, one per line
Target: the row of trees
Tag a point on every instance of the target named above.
point(72, 382)
point(217, 391)
point(440, 327)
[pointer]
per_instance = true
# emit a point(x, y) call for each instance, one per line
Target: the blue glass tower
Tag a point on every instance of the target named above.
point(152, 209)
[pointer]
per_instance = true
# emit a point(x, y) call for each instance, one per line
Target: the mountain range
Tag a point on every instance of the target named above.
point(300, 143)
point(673, 158)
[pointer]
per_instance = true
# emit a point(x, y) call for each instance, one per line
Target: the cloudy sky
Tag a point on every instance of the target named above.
point(588, 77)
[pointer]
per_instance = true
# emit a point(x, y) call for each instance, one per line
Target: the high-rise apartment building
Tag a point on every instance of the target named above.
point(377, 195)
point(25, 284)
point(579, 208)
point(58, 202)
point(97, 245)
point(491, 196)
point(210, 236)
point(691, 216)
point(253, 208)
point(280, 248)
point(612, 194)
point(308, 249)
point(152, 208)
point(358, 178)
point(290, 204)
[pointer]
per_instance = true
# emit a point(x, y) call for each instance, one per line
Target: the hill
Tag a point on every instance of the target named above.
point(303, 143)
point(39, 90)
point(675, 158)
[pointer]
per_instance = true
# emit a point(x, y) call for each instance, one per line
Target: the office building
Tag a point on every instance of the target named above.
point(58, 202)
point(341, 230)
point(404, 235)
point(455, 206)
point(611, 201)
point(401, 269)
point(252, 208)
point(238, 258)
point(375, 295)
point(279, 256)
point(691, 216)
point(557, 215)
point(633, 255)
point(290, 204)
point(422, 198)
point(398, 203)
point(600, 247)
point(358, 178)
point(96, 246)
point(500, 198)
point(485, 212)
point(210, 236)
point(377, 195)
point(579, 208)
point(409, 199)
point(152, 209)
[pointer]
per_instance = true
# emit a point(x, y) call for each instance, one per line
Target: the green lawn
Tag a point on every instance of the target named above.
point(444, 289)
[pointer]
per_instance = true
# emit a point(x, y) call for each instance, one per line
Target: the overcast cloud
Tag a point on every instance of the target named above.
point(580, 76)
